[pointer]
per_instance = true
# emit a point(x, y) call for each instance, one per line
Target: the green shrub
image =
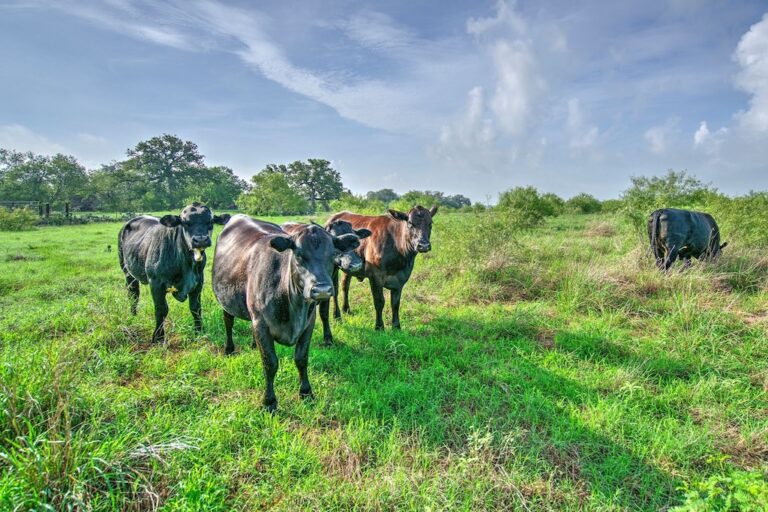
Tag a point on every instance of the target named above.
point(612, 205)
point(20, 219)
point(272, 195)
point(358, 204)
point(738, 491)
point(673, 190)
point(744, 217)
point(523, 207)
point(583, 203)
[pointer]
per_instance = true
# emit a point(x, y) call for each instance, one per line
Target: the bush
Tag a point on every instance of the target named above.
point(359, 204)
point(612, 205)
point(673, 190)
point(20, 219)
point(583, 203)
point(739, 491)
point(555, 204)
point(523, 207)
point(745, 217)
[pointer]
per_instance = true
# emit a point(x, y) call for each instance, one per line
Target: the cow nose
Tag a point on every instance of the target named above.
point(356, 266)
point(200, 242)
point(321, 291)
point(424, 247)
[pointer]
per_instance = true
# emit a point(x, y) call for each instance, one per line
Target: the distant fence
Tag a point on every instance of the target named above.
point(65, 215)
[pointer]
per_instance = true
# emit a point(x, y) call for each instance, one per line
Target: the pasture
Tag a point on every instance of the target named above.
point(554, 368)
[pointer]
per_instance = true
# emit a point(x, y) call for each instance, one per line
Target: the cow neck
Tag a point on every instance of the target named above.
point(290, 280)
point(183, 251)
point(403, 240)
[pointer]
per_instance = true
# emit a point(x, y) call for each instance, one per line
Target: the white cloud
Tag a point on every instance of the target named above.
point(21, 138)
point(658, 137)
point(752, 55)
point(505, 18)
point(473, 132)
point(376, 31)
point(518, 84)
point(582, 134)
point(708, 141)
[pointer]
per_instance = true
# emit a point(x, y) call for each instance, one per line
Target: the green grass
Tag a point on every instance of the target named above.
point(555, 369)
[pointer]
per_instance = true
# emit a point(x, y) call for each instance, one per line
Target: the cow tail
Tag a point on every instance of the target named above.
point(120, 256)
point(655, 230)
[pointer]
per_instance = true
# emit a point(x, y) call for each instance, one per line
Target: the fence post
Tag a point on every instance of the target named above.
point(40, 208)
point(66, 210)
point(47, 210)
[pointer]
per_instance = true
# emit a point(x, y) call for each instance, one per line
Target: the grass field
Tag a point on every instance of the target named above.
point(553, 369)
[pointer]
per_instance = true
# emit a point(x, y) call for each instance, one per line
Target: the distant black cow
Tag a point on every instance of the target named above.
point(683, 234)
point(263, 274)
point(168, 254)
point(348, 261)
point(388, 255)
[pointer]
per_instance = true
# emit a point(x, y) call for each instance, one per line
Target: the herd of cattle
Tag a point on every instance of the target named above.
point(275, 276)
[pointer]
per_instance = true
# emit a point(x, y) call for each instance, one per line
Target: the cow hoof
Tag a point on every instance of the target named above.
point(396, 327)
point(379, 327)
point(328, 342)
point(271, 406)
point(337, 316)
point(229, 351)
point(307, 396)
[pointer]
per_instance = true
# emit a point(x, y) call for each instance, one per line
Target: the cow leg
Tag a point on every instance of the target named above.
point(229, 321)
point(345, 279)
point(658, 254)
point(195, 308)
point(266, 344)
point(301, 358)
point(378, 303)
point(335, 279)
point(671, 258)
point(394, 297)
point(161, 310)
point(133, 291)
point(325, 309)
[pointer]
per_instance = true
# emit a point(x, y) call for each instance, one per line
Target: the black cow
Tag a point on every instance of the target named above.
point(684, 234)
point(263, 274)
point(169, 255)
point(348, 261)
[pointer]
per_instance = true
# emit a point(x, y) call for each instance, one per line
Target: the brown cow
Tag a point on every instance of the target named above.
point(388, 255)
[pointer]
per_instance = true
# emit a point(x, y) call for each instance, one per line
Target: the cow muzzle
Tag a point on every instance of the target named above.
point(321, 292)
point(201, 242)
point(424, 247)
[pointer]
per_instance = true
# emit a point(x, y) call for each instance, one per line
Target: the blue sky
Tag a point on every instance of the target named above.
point(465, 97)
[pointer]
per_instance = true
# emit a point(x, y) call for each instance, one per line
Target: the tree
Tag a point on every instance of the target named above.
point(315, 180)
point(120, 187)
point(359, 204)
point(31, 177)
point(271, 194)
point(555, 204)
point(385, 195)
point(217, 187)
point(169, 164)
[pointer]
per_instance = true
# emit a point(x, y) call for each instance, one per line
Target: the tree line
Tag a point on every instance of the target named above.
point(166, 172)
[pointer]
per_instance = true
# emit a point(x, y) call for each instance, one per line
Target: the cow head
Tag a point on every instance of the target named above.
point(314, 251)
point(348, 261)
point(196, 222)
point(419, 221)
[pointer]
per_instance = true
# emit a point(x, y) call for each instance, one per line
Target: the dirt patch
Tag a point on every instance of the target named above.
point(600, 229)
point(546, 339)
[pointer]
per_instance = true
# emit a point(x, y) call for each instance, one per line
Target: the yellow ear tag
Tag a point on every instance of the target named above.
point(172, 289)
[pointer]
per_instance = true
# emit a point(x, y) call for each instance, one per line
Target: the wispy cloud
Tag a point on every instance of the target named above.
point(21, 138)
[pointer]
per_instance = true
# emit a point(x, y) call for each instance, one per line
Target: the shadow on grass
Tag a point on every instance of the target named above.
point(446, 380)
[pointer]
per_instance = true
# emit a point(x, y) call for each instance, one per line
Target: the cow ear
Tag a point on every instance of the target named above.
point(170, 221)
point(397, 215)
point(346, 242)
point(221, 219)
point(723, 246)
point(281, 243)
point(433, 210)
point(363, 233)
